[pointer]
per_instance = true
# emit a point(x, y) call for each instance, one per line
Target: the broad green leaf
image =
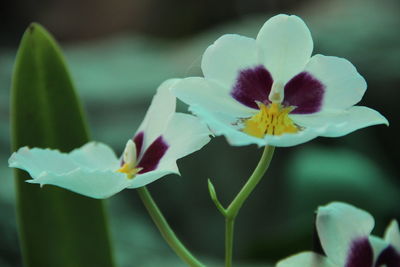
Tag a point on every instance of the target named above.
point(57, 228)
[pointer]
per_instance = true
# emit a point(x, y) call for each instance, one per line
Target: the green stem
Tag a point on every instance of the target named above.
point(232, 211)
point(166, 230)
point(254, 179)
point(229, 224)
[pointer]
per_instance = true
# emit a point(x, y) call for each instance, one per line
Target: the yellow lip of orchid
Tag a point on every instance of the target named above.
point(272, 119)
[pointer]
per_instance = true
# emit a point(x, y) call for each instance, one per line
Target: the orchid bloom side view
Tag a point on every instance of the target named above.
point(267, 91)
point(345, 235)
point(94, 170)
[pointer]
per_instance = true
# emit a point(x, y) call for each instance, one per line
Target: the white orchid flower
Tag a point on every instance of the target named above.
point(95, 171)
point(270, 91)
point(345, 235)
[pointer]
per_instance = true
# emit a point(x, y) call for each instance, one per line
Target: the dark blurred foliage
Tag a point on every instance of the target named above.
point(77, 20)
point(119, 51)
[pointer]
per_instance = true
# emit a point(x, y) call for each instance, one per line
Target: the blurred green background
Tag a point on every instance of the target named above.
point(120, 51)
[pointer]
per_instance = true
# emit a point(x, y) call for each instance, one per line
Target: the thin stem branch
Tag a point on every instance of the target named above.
point(232, 211)
point(165, 230)
point(254, 179)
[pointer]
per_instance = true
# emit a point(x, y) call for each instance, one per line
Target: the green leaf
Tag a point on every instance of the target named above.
point(56, 227)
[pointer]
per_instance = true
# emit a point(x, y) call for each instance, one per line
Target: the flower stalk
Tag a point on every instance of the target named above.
point(165, 230)
point(233, 209)
point(254, 179)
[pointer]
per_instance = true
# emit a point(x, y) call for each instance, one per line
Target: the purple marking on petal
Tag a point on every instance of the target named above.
point(388, 257)
point(360, 253)
point(252, 85)
point(305, 93)
point(153, 155)
point(138, 140)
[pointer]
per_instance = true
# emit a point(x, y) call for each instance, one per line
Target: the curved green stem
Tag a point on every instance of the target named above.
point(254, 179)
point(232, 211)
point(166, 230)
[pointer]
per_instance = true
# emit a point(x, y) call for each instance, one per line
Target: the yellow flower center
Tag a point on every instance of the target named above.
point(272, 119)
point(130, 171)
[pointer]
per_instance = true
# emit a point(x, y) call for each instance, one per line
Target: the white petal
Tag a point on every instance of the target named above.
point(210, 96)
point(220, 124)
point(392, 234)
point(185, 134)
point(338, 224)
point(95, 184)
point(291, 139)
point(344, 86)
point(285, 46)
point(149, 177)
point(161, 109)
point(306, 259)
point(88, 170)
point(95, 155)
point(337, 124)
point(223, 60)
point(37, 160)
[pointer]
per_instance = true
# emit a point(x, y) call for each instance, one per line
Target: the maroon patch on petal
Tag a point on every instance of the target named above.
point(153, 155)
point(138, 140)
point(252, 85)
point(388, 257)
point(360, 253)
point(305, 93)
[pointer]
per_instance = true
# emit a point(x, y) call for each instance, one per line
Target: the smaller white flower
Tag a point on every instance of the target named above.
point(95, 171)
point(346, 240)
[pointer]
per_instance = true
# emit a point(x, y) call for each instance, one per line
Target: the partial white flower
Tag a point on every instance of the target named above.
point(390, 255)
point(345, 235)
point(270, 91)
point(95, 171)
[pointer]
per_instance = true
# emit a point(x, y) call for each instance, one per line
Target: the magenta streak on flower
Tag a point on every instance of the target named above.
point(138, 140)
point(152, 155)
point(305, 93)
point(93, 170)
point(360, 253)
point(253, 85)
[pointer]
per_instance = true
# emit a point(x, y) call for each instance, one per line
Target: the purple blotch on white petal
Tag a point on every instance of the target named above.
point(138, 140)
point(389, 257)
point(153, 154)
point(253, 85)
point(360, 253)
point(304, 92)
